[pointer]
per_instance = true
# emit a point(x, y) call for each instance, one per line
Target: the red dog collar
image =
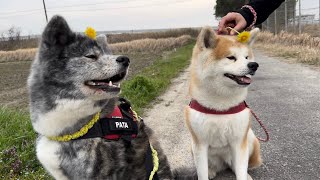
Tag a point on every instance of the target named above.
point(198, 107)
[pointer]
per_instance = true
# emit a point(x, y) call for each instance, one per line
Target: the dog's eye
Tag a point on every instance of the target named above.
point(232, 58)
point(91, 56)
point(247, 57)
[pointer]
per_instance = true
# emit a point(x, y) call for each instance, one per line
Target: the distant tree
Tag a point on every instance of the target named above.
point(13, 33)
point(11, 39)
point(18, 34)
point(2, 37)
point(223, 7)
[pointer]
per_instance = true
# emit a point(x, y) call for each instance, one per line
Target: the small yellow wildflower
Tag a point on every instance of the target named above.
point(244, 37)
point(91, 33)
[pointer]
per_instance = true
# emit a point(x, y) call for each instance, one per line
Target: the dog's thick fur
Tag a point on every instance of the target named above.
point(221, 141)
point(61, 103)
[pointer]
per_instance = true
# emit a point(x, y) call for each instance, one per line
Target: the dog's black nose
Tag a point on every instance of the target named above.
point(124, 60)
point(253, 66)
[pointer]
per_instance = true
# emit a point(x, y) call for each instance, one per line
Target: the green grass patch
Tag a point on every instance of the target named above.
point(17, 152)
point(155, 79)
point(17, 142)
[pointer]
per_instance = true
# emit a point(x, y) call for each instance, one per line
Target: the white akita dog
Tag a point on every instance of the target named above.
point(217, 116)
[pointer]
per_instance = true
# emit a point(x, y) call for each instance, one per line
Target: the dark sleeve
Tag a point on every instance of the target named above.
point(263, 9)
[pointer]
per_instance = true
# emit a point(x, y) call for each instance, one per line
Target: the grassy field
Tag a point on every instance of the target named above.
point(135, 46)
point(14, 69)
point(17, 156)
point(17, 42)
point(17, 152)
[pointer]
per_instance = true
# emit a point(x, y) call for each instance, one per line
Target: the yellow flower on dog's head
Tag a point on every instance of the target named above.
point(91, 33)
point(244, 37)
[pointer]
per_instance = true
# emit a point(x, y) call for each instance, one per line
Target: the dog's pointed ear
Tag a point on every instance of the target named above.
point(253, 34)
point(207, 38)
point(57, 32)
point(102, 41)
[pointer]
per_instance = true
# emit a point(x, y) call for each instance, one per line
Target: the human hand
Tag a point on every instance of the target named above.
point(233, 20)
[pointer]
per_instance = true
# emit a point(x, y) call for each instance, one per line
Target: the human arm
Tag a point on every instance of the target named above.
point(244, 17)
point(263, 8)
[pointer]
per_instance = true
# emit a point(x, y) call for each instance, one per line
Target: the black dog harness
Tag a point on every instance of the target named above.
point(121, 124)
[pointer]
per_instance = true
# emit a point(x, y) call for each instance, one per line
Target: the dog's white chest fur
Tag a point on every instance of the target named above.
point(219, 130)
point(218, 138)
point(221, 70)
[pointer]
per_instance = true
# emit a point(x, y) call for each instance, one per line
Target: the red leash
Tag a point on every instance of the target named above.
point(261, 124)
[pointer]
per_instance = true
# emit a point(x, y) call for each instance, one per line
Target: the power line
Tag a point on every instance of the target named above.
point(124, 7)
point(13, 15)
point(72, 6)
point(92, 9)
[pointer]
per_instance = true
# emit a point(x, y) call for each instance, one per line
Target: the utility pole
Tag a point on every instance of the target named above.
point(294, 19)
point(45, 10)
point(319, 12)
point(299, 16)
point(285, 15)
point(275, 22)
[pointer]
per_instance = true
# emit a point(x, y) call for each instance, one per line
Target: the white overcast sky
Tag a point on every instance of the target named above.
point(106, 15)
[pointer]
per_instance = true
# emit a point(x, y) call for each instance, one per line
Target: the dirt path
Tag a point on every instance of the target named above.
point(285, 96)
point(167, 120)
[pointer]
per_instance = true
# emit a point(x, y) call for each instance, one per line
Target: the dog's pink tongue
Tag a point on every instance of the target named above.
point(245, 79)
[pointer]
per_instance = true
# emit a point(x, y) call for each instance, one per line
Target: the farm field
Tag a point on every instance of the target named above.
point(13, 78)
point(154, 62)
point(14, 70)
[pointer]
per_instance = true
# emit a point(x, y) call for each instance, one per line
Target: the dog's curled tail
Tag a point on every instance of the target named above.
point(185, 174)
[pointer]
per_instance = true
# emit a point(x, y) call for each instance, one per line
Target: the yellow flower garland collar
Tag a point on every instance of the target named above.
point(84, 130)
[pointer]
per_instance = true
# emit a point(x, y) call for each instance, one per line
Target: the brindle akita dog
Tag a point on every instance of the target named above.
point(72, 78)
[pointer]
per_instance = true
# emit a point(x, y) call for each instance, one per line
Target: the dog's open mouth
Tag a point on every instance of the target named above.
point(110, 84)
point(242, 80)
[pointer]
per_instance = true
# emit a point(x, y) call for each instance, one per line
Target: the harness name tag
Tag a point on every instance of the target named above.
point(120, 124)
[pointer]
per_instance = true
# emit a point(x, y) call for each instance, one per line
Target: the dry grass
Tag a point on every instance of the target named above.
point(312, 29)
point(112, 38)
point(154, 45)
point(289, 39)
point(124, 37)
point(18, 44)
point(304, 48)
point(18, 55)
